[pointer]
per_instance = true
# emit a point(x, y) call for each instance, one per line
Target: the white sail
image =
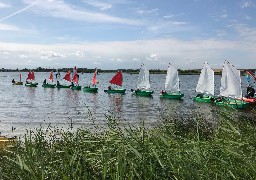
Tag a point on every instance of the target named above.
point(172, 80)
point(143, 80)
point(230, 81)
point(205, 83)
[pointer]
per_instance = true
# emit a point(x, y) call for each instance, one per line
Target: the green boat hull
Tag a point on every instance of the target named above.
point(171, 95)
point(145, 93)
point(115, 91)
point(204, 98)
point(90, 89)
point(233, 103)
point(31, 84)
point(63, 86)
point(48, 85)
point(76, 87)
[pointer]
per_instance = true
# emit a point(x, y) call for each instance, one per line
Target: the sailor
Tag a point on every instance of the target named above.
point(44, 81)
point(58, 83)
point(250, 91)
point(13, 81)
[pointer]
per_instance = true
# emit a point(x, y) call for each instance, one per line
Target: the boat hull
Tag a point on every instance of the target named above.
point(31, 84)
point(249, 100)
point(48, 85)
point(5, 142)
point(90, 89)
point(233, 103)
point(204, 98)
point(63, 86)
point(145, 93)
point(171, 95)
point(114, 91)
point(76, 87)
point(18, 83)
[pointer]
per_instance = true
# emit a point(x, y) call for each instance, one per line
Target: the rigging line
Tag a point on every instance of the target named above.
point(20, 11)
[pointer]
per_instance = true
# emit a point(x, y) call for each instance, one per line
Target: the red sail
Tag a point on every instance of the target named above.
point(30, 76)
point(67, 76)
point(75, 77)
point(51, 77)
point(117, 79)
point(94, 80)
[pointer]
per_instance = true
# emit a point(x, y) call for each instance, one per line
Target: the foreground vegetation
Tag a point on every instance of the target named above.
point(225, 149)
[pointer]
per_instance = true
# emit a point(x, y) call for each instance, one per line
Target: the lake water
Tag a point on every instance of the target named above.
point(27, 108)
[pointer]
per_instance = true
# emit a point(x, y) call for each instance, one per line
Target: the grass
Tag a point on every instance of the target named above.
point(172, 150)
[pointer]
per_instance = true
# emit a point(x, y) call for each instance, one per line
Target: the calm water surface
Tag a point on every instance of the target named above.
point(27, 108)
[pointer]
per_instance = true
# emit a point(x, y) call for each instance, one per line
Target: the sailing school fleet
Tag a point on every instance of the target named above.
point(230, 89)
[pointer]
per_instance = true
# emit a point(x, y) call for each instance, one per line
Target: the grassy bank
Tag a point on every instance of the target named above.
point(172, 150)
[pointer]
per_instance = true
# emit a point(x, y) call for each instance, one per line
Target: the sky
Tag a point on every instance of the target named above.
point(123, 34)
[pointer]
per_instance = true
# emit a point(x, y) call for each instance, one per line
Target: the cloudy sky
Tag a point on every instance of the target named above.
point(112, 34)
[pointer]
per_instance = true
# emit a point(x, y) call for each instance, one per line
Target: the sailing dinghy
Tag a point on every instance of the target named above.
point(75, 80)
point(205, 85)
point(93, 89)
point(118, 81)
point(230, 89)
point(18, 82)
point(49, 85)
point(172, 86)
point(30, 82)
point(143, 84)
point(67, 77)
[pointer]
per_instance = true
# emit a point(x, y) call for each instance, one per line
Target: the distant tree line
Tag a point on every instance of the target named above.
point(129, 71)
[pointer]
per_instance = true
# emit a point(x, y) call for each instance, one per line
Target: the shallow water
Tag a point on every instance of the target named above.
point(27, 108)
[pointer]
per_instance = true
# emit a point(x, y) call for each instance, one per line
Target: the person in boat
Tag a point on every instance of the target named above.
point(250, 91)
point(58, 83)
point(163, 92)
point(200, 95)
point(44, 81)
point(109, 87)
point(13, 81)
point(72, 84)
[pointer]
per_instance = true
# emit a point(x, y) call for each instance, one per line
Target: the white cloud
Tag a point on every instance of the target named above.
point(248, 17)
point(248, 4)
point(50, 55)
point(135, 59)
point(153, 57)
point(97, 63)
point(151, 11)
point(79, 54)
point(22, 56)
point(154, 53)
point(98, 4)
point(4, 5)
point(7, 27)
point(60, 9)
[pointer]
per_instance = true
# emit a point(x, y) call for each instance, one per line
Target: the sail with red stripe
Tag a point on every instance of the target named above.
point(67, 77)
point(94, 79)
point(117, 79)
point(75, 77)
point(51, 76)
point(30, 76)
